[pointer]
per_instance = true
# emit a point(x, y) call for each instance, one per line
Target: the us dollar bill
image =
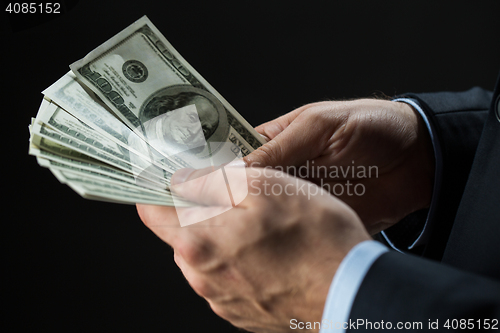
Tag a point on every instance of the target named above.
point(106, 191)
point(70, 95)
point(91, 169)
point(149, 86)
point(62, 121)
point(99, 177)
point(129, 115)
point(50, 139)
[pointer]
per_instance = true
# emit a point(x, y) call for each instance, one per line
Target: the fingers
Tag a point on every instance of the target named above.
point(167, 223)
point(274, 127)
point(222, 186)
point(215, 190)
point(269, 131)
point(161, 220)
point(203, 186)
point(292, 143)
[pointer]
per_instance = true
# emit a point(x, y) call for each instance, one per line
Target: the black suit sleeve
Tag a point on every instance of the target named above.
point(406, 288)
point(458, 119)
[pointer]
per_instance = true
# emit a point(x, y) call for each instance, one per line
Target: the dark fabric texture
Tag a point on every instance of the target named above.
point(406, 288)
point(463, 278)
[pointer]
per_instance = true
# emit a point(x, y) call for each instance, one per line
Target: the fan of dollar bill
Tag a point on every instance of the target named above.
point(128, 115)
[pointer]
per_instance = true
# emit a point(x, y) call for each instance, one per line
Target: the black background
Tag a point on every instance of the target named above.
point(77, 265)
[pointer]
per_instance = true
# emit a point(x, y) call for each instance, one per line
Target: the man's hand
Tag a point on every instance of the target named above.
point(266, 261)
point(389, 137)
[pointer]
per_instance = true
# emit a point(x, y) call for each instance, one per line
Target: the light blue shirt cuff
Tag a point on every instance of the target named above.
point(422, 238)
point(345, 285)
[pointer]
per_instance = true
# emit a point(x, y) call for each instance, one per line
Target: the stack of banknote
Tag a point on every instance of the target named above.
point(128, 115)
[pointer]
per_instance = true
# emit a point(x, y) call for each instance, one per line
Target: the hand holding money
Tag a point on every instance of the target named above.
point(129, 115)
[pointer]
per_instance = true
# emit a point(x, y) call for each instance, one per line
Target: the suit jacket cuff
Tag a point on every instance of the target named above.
point(421, 235)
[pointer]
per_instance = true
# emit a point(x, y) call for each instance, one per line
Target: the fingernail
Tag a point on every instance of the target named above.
point(237, 164)
point(180, 176)
point(265, 138)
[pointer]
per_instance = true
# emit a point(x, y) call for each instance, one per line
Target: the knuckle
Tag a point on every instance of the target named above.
point(264, 155)
point(152, 216)
point(201, 286)
point(271, 152)
point(319, 112)
point(194, 254)
point(313, 106)
point(143, 214)
point(222, 311)
point(178, 259)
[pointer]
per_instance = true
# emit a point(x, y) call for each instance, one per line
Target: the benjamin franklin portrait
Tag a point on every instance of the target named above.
point(182, 118)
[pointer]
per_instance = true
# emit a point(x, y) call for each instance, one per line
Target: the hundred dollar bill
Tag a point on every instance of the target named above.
point(47, 138)
point(63, 122)
point(104, 191)
point(51, 150)
point(44, 105)
point(62, 155)
point(70, 95)
point(72, 174)
point(154, 91)
point(93, 170)
point(99, 177)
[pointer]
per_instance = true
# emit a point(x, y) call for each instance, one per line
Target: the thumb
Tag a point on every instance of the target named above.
point(269, 154)
point(298, 142)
